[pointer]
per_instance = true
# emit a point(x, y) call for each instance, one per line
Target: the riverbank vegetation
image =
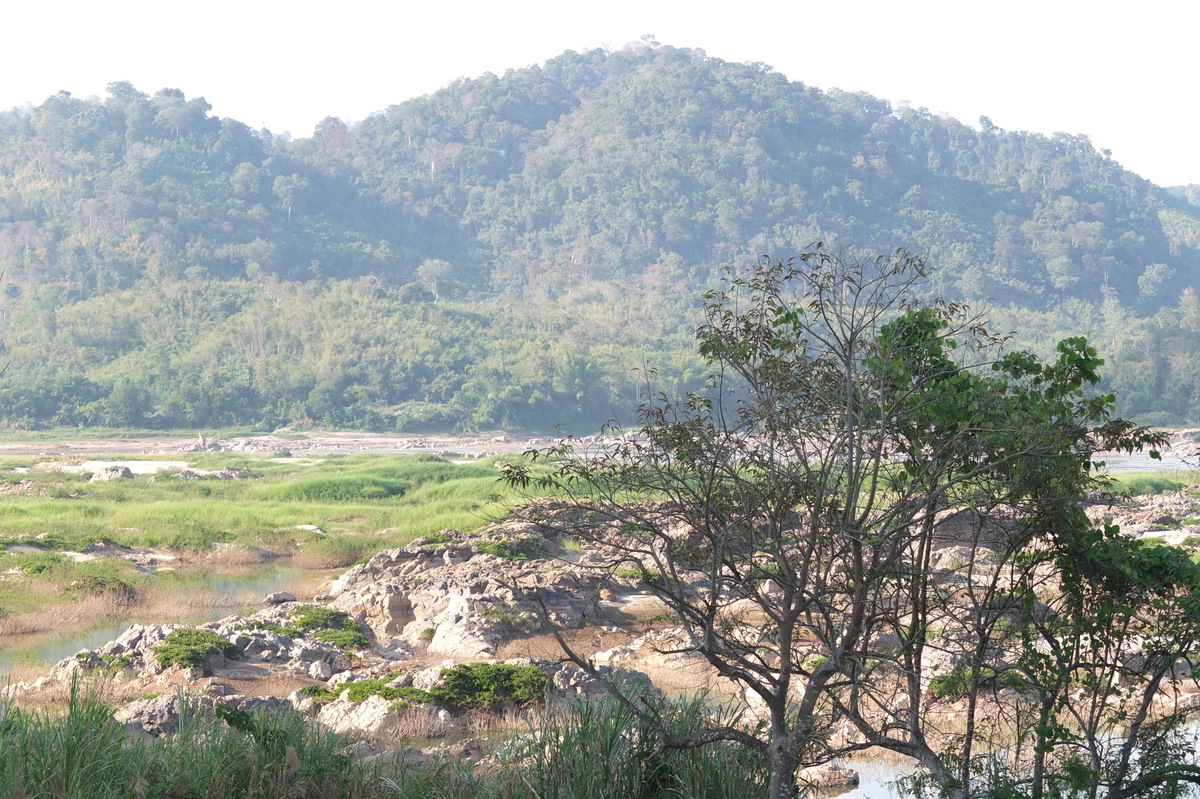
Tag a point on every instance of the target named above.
point(596, 750)
point(71, 548)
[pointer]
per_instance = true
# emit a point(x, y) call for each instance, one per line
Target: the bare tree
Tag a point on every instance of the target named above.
point(796, 514)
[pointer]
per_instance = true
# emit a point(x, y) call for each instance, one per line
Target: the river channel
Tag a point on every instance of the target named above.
point(224, 595)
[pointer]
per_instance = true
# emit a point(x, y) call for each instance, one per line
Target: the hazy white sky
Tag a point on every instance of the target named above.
point(1124, 74)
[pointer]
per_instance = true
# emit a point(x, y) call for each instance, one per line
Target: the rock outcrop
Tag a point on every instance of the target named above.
point(448, 596)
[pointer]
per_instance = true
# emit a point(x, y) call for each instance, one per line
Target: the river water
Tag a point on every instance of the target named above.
point(1142, 462)
point(226, 592)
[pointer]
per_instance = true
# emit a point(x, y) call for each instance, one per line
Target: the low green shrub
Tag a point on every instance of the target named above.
point(319, 693)
point(334, 627)
point(351, 637)
point(315, 617)
point(117, 662)
point(360, 690)
point(290, 632)
point(487, 684)
point(957, 684)
point(191, 646)
point(525, 548)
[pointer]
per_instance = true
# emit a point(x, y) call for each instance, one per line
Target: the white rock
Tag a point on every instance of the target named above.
point(320, 670)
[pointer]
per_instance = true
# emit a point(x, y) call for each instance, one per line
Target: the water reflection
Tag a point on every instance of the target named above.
point(876, 779)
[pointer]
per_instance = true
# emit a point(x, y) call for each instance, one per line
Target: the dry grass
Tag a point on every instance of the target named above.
point(85, 613)
point(483, 724)
point(325, 560)
point(53, 695)
point(419, 723)
point(278, 682)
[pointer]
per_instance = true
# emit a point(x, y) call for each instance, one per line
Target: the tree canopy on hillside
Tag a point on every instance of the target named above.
point(555, 193)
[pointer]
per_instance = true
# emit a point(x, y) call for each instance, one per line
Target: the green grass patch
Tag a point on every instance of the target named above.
point(525, 548)
point(351, 497)
point(261, 511)
point(1138, 484)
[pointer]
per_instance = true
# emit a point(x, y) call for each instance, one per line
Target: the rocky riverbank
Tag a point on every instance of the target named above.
point(366, 656)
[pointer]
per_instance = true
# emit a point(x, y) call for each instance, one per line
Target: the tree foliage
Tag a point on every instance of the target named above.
point(871, 494)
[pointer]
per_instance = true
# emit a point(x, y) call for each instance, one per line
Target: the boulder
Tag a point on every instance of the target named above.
point(157, 715)
point(114, 472)
point(827, 777)
point(374, 716)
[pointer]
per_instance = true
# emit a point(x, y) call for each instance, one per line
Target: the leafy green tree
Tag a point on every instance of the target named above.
point(791, 515)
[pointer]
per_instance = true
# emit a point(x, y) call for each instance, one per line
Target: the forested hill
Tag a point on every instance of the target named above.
point(505, 251)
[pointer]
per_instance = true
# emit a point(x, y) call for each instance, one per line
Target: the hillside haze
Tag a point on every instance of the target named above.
point(506, 251)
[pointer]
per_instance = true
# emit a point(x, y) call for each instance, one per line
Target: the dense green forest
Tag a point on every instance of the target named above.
point(530, 249)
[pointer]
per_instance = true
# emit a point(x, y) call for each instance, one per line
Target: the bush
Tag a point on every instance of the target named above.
point(190, 646)
point(315, 617)
point(290, 632)
point(93, 585)
point(348, 638)
point(334, 627)
point(957, 684)
point(526, 548)
point(360, 690)
point(488, 684)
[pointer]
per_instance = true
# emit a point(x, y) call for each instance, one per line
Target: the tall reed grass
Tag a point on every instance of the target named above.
point(600, 750)
point(593, 750)
point(85, 754)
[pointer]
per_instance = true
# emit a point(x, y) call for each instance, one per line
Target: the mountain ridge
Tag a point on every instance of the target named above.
point(534, 203)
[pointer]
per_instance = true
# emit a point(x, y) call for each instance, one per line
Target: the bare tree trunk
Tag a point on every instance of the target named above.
point(783, 772)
